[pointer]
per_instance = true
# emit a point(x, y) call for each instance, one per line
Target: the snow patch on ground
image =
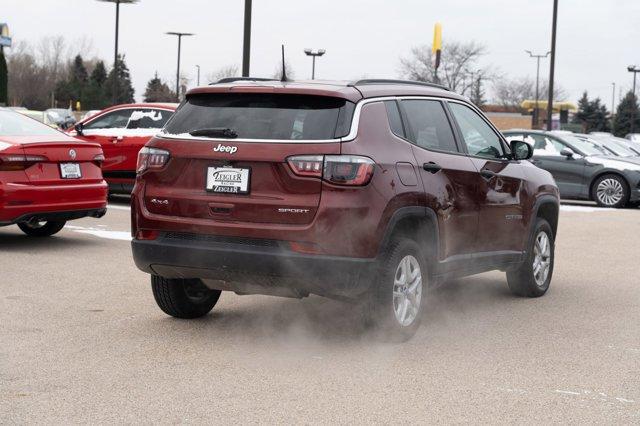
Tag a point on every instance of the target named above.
point(585, 209)
point(101, 233)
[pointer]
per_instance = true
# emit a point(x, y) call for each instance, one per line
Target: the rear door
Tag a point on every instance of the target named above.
point(568, 172)
point(500, 188)
point(142, 125)
point(448, 176)
point(108, 130)
point(237, 168)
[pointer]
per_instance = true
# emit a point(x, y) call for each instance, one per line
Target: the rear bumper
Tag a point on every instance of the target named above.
point(20, 201)
point(57, 216)
point(252, 266)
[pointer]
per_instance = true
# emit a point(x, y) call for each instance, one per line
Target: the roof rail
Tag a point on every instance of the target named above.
point(232, 79)
point(369, 81)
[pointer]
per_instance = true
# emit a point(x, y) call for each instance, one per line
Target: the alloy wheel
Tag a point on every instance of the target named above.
point(609, 191)
point(407, 290)
point(541, 258)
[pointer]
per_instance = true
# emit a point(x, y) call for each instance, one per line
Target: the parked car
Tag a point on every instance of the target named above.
point(583, 169)
point(633, 137)
point(46, 177)
point(367, 192)
point(617, 146)
point(62, 118)
point(122, 131)
point(39, 116)
point(89, 113)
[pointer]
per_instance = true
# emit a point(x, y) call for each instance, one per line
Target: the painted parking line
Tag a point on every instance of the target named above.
point(587, 209)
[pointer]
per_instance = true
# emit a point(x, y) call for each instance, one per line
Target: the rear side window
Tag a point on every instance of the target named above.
point(148, 119)
point(265, 115)
point(428, 125)
point(395, 122)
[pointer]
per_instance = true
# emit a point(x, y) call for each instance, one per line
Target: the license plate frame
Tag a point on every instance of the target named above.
point(228, 180)
point(70, 171)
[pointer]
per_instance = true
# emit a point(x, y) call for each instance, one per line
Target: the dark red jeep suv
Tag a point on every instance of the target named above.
point(370, 191)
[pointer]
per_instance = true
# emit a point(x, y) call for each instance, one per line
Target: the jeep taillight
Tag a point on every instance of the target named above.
point(350, 170)
point(306, 165)
point(12, 162)
point(151, 158)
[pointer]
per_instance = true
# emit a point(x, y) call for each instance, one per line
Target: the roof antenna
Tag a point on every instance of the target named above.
point(284, 70)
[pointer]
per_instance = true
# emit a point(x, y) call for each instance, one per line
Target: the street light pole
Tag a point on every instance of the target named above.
point(314, 54)
point(613, 98)
point(553, 64)
point(635, 70)
point(198, 80)
point(246, 45)
point(180, 35)
point(538, 57)
point(115, 55)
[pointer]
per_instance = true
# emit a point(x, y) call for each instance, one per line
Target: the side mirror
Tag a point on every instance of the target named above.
point(520, 150)
point(78, 128)
point(567, 152)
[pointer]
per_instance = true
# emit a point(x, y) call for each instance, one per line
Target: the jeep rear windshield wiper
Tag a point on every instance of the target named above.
point(215, 131)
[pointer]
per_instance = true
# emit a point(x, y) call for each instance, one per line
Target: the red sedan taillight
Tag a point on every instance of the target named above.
point(151, 159)
point(12, 162)
point(350, 170)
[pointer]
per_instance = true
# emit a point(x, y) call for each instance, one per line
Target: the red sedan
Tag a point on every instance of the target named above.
point(46, 176)
point(122, 130)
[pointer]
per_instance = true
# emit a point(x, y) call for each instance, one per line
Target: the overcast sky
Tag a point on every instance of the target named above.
point(597, 39)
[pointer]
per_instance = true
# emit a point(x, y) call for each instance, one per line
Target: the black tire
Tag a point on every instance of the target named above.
point(381, 307)
point(522, 281)
point(602, 200)
point(183, 298)
point(41, 229)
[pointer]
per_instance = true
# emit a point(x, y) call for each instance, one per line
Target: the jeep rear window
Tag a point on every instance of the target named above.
point(264, 115)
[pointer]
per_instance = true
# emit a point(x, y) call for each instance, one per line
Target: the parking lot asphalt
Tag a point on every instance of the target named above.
point(82, 341)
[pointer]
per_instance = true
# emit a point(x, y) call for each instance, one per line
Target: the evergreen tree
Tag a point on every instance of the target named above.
point(95, 94)
point(592, 115)
point(4, 79)
point(477, 95)
point(125, 88)
point(627, 108)
point(158, 91)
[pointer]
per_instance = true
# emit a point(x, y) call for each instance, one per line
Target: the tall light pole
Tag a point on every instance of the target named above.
point(538, 57)
point(314, 54)
point(613, 98)
point(115, 55)
point(180, 35)
point(246, 44)
point(553, 64)
point(198, 80)
point(635, 70)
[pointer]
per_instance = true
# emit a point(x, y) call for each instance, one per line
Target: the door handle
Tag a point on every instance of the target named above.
point(432, 167)
point(487, 174)
point(116, 139)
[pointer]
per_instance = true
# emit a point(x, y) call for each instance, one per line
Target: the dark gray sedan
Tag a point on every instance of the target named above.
point(584, 170)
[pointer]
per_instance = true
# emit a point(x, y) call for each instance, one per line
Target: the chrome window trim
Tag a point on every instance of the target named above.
point(229, 140)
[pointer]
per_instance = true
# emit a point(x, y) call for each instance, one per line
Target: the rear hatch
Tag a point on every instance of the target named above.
point(228, 156)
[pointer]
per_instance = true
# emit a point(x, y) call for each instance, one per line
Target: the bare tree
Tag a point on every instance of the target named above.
point(459, 66)
point(511, 93)
point(34, 70)
point(223, 72)
point(277, 74)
